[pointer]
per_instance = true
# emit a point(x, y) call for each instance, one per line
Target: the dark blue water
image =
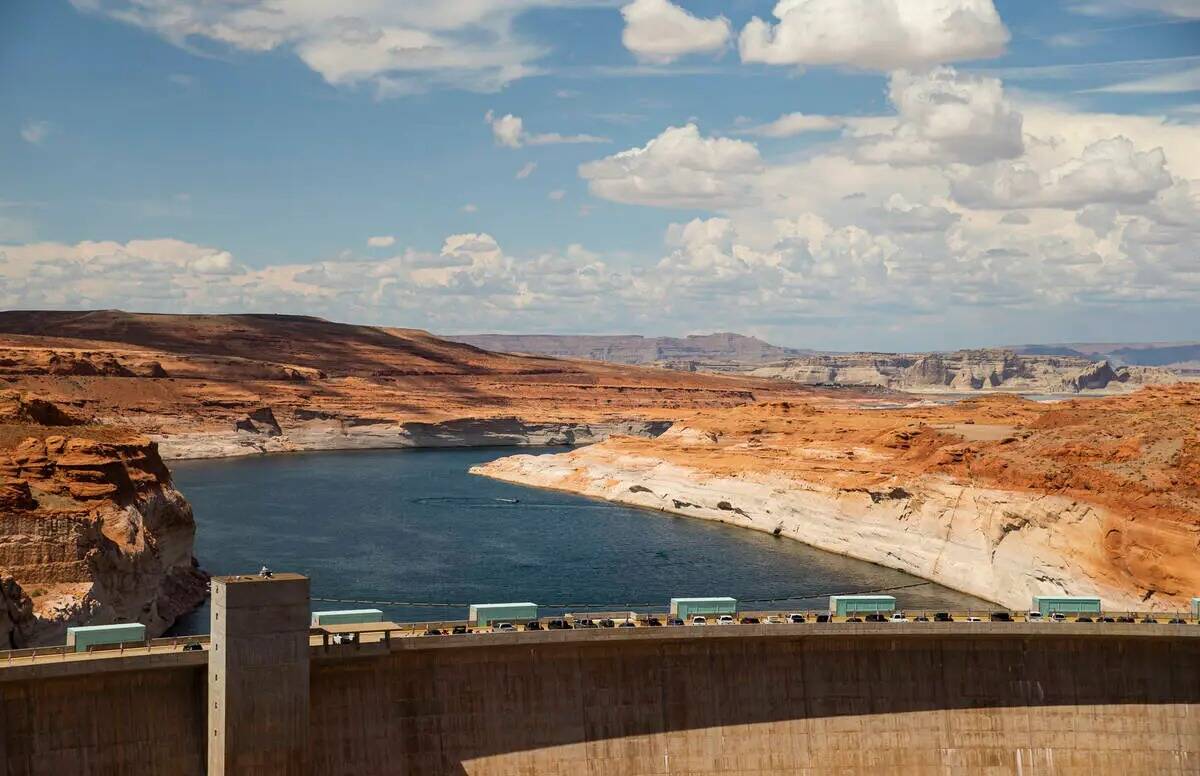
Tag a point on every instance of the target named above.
point(414, 526)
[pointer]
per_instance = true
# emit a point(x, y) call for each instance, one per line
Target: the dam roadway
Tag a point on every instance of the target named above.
point(812, 698)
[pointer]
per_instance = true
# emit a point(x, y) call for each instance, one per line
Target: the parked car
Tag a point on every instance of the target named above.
point(853, 619)
point(749, 621)
point(875, 617)
point(1058, 617)
point(942, 617)
point(920, 618)
point(626, 624)
point(1150, 620)
point(774, 619)
point(654, 622)
point(1001, 617)
point(974, 619)
point(1084, 618)
point(1033, 616)
point(585, 623)
point(433, 632)
point(606, 623)
point(898, 617)
point(459, 630)
point(674, 621)
point(559, 625)
point(820, 618)
point(534, 625)
point(193, 646)
point(1106, 619)
point(795, 618)
point(1126, 618)
point(502, 627)
point(1177, 621)
point(699, 619)
point(726, 619)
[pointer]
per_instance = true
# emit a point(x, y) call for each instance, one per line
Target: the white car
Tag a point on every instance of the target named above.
point(725, 619)
point(1033, 617)
point(898, 617)
point(1058, 617)
point(795, 618)
point(773, 620)
point(501, 627)
point(699, 619)
point(974, 619)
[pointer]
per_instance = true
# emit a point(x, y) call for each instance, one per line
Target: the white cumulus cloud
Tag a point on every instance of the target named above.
point(660, 31)
point(509, 131)
point(381, 241)
point(792, 124)
point(875, 34)
point(679, 168)
point(946, 117)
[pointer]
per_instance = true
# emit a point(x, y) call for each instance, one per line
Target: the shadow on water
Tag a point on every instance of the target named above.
point(414, 526)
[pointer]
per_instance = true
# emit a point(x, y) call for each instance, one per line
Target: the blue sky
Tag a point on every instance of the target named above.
point(171, 155)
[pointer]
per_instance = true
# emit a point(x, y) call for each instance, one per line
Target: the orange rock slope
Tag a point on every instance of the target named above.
point(91, 530)
point(230, 384)
point(999, 496)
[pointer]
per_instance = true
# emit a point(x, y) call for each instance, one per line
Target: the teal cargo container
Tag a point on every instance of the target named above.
point(1196, 607)
point(81, 637)
point(347, 617)
point(686, 608)
point(844, 605)
point(1065, 604)
point(484, 614)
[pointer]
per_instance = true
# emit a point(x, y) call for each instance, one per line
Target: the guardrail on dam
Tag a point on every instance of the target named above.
point(814, 698)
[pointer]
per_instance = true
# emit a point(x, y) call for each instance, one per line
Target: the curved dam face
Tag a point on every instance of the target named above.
point(709, 701)
point(960, 698)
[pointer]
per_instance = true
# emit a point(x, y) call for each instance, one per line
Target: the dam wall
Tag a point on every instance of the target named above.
point(875, 699)
point(120, 717)
point(764, 702)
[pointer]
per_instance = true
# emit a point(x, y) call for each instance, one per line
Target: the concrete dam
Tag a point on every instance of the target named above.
point(264, 697)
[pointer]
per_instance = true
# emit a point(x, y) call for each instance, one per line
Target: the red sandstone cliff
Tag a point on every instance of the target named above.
point(91, 529)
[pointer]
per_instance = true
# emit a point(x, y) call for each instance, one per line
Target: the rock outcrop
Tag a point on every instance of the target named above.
point(16, 615)
point(93, 532)
point(966, 371)
point(999, 497)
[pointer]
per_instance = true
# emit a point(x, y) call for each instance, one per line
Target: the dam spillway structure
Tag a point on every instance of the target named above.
point(267, 695)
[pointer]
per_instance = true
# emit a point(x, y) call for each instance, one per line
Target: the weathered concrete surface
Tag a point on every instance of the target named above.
point(258, 700)
point(143, 722)
point(921, 698)
point(754, 703)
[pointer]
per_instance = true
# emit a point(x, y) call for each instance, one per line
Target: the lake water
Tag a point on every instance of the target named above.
point(413, 526)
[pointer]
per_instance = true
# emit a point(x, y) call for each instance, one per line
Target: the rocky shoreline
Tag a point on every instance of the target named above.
point(985, 542)
point(333, 435)
point(1005, 508)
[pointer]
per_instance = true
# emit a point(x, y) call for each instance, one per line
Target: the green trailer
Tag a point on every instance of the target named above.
point(846, 605)
point(485, 614)
point(686, 608)
point(1065, 604)
point(347, 617)
point(82, 637)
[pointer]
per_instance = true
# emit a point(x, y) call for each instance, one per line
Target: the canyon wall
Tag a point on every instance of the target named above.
point(964, 371)
point(1000, 497)
point(311, 431)
point(93, 532)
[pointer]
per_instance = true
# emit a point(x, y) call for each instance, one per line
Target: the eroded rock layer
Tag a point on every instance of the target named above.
point(998, 496)
point(91, 531)
point(226, 385)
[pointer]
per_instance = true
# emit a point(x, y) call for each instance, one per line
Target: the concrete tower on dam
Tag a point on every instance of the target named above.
point(268, 696)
